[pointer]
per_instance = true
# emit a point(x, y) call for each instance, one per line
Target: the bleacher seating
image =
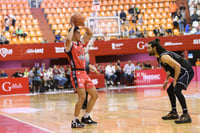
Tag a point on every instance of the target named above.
point(155, 12)
point(21, 10)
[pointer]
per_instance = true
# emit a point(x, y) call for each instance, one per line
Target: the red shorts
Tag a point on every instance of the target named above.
point(80, 79)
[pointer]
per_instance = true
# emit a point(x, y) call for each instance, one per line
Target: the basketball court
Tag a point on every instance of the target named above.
point(118, 110)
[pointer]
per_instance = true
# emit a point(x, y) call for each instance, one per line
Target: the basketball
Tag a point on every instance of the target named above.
point(77, 19)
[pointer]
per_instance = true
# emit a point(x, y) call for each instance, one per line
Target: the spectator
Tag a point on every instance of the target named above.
point(192, 7)
point(58, 37)
point(180, 22)
point(131, 10)
point(122, 16)
point(140, 21)
point(134, 19)
point(99, 68)
point(173, 8)
point(138, 66)
point(13, 33)
point(132, 36)
point(137, 10)
point(57, 75)
point(3, 74)
point(162, 31)
point(194, 17)
point(156, 31)
point(20, 33)
point(138, 33)
point(31, 76)
point(26, 73)
point(125, 33)
point(131, 31)
point(36, 80)
point(147, 65)
point(187, 29)
point(67, 75)
point(46, 79)
point(129, 72)
point(198, 31)
point(118, 73)
point(13, 19)
point(182, 12)
point(198, 9)
point(17, 74)
point(7, 24)
point(3, 39)
point(44, 40)
point(110, 74)
point(175, 21)
point(145, 32)
point(197, 63)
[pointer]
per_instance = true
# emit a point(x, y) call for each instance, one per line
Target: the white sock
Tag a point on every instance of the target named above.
point(75, 118)
point(86, 115)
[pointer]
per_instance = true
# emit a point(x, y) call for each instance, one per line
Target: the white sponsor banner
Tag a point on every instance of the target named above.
point(4, 52)
point(196, 41)
point(8, 86)
point(117, 46)
point(172, 44)
point(35, 51)
point(59, 49)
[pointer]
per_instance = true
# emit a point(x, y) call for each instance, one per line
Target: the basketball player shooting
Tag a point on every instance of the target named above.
point(79, 78)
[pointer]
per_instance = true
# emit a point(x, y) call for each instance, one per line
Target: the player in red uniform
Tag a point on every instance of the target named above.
point(79, 78)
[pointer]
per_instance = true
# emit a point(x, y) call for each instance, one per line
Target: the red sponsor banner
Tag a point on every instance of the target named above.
point(149, 77)
point(113, 47)
point(14, 86)
point(98, 80)
point(134, 46)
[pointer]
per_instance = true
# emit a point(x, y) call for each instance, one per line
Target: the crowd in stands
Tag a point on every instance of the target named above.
point(42, 79)
point(134, 23)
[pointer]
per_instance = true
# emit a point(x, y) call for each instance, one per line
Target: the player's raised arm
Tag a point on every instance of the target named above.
point(88, 34)
point(67, 43)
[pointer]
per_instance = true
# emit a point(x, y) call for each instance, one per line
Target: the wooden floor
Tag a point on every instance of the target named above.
point(118, 110)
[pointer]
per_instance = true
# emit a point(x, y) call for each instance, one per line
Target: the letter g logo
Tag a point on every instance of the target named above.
point(6, 88)
point(140, 45)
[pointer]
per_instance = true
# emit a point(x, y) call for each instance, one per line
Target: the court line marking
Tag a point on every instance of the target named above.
point(41, 128)
point(139, 86)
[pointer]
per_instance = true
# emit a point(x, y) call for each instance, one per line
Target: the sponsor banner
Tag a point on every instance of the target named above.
point(112, 47)
point(14, 86)
point(98, 80)
point(131, 46)
point(149, 77)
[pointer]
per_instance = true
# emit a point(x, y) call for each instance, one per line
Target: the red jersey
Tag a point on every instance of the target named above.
point(76, 56)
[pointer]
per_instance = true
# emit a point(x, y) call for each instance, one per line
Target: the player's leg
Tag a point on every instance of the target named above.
point(84, 106)
point(183, 83)
point(173, 113)
point(86, 118)
point(81, 97)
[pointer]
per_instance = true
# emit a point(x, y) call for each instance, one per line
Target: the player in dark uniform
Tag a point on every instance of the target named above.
point(182, 73)
point(79, 78)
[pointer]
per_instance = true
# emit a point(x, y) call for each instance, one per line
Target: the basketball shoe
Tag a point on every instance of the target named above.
point(184, 118)
point(88, 120)
point(172, 115)
point(77, 124)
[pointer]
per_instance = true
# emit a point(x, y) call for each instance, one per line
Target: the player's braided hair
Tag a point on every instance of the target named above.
point(156, 43)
